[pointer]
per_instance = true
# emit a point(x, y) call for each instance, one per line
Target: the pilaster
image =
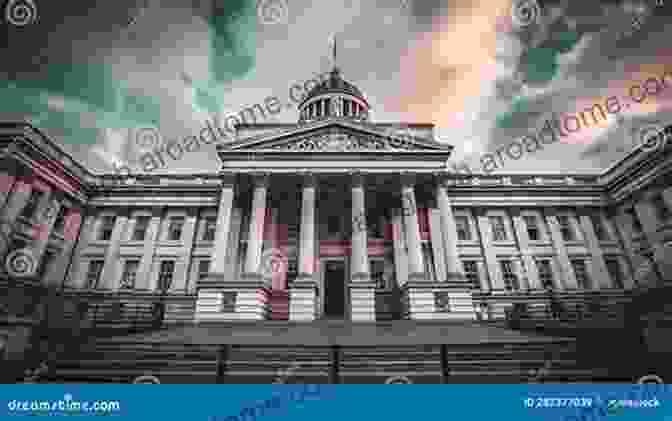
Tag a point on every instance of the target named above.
point(151, 238)
point(76, 278)
point(491, 263)
point(109, 275)
point(528, 267)
point(219, 253)
point(566, 272)
point(598, 269)
point(183, 262)
point(649, 220)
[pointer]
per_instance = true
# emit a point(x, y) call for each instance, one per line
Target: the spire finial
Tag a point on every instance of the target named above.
point(333, 51)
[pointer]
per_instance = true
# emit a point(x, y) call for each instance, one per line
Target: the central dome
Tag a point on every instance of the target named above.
point(334, 98)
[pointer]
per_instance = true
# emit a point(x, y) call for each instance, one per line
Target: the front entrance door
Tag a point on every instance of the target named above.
point(334, 290)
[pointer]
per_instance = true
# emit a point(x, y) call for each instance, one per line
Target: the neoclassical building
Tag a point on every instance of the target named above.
point(333, 217)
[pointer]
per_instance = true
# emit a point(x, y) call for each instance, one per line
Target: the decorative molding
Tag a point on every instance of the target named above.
point(341, 142)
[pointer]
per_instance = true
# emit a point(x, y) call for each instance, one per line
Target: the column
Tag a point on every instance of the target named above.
point(598, 269)
point(360, 257)
point(667, 197)
point(437, 241)
point(416, 264)
point(144, 276)
point(526, 260)
point(399, 246)
point(649, 220)
point(184, 262)
point(485, 232)
point(218, 260)
point(44, 226)
point(108, 277)
point(566, 272)
point(76, 278)
point(15, 204)
point(255, 235)
point(307, 231)
point(449, 230)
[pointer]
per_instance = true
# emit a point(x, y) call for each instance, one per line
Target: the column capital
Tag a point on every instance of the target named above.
point(260, 179)
point(407, 179)
point(309, 179)
point(357, 179)
point(228, 180)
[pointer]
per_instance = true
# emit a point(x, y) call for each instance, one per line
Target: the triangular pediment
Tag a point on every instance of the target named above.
point(337, 136)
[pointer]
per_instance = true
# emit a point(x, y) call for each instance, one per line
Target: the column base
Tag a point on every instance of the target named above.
point(303, 299)
point(362, 299)
point(246, 299)
point(437, 301)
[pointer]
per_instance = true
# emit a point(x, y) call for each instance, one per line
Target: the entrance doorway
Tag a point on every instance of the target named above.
point(334, 290)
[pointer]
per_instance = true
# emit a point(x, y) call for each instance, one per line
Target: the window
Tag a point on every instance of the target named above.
point(566, 228)
point(662, 211)
point(166, 275)
point(47, 259)
point(59, 223)
point(140, 229)
point(581, 274)
point(636, 225)
point(532, 227)
point(203, 269)
point(510, 278)
point(377, 268)
point(210, 228)
point(614, 269)
point(471, 273)
point(130, 272)
point(498, 228)
point(545, 273)
point(175, 228)
point(93, 274)
point(600, 231)
point(463, 229)
point(34, 199)
point(106, 227)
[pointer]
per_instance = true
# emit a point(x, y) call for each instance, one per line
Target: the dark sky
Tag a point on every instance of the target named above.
point(91, 74)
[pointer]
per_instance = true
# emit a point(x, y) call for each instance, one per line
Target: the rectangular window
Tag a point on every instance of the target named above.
point(545, 273)
point(210, 228)
point(471, 273)
point(509, 276)
point(106, 227)
point(166, 275)
point(614, 269)
point(600, 231)
point(566, 228)
point(59, 223)
point(581, 274)
point(377, 268)
point(93, 274)
point(498, 228)
point(203, 269)
point(140, 229)
point(175, 228)
point(34, 199)
point(662, 211)
point(130, 272)
point(463, 229)
point(532, 227)
point(47, 259)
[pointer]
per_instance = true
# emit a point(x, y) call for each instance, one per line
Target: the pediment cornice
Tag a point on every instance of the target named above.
point(336, 136)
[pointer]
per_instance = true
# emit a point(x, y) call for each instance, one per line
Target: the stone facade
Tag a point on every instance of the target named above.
point(327, 218)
